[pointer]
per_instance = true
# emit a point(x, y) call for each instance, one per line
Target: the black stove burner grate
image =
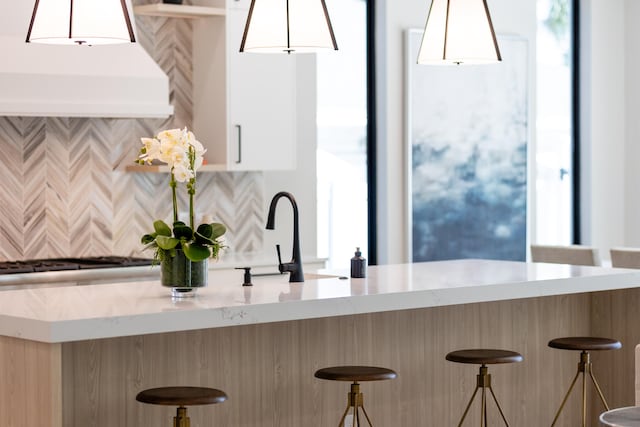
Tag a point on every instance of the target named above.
point(61, 264)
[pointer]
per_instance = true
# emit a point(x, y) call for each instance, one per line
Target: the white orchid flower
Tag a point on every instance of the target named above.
point(198, 147)
point(151, 150)
point(170, 135)
point(182, 173)
point(178, 156)
point(197, 162)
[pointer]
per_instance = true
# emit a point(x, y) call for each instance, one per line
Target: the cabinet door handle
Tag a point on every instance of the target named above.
point(239, 144)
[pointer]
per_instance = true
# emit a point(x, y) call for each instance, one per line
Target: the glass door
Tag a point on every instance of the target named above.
point(554, 156)
point(342, 136)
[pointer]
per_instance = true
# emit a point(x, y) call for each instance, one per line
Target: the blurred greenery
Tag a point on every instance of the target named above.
point(558, 20)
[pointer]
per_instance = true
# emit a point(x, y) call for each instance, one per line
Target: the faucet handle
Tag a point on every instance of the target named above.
point(279, 257)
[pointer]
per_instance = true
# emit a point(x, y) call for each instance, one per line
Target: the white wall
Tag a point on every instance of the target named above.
point(603, 122)
point(632, 125)
point(394, 17)
point(300, 182)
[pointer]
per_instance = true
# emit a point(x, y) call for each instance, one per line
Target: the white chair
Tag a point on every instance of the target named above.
point(573, 254)
point(625, 257)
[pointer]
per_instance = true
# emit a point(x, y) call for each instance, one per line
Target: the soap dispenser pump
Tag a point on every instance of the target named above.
point(358, 265)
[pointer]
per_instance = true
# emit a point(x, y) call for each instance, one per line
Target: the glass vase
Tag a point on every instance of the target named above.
point(182, 275)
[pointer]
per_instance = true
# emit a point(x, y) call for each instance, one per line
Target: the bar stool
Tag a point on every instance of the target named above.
point(484, 357)
point(584, 345)
point(181, 397)
point(355, 401)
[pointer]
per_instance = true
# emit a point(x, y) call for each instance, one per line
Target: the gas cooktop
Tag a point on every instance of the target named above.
point(62, 264)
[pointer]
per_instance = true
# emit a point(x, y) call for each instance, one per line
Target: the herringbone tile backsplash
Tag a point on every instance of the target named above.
point(64, 188)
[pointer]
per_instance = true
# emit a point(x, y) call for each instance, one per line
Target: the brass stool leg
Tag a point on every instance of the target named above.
point(566, 396)
point(181, 419)
point(584, 366)
point(484, 383)
point(498, 405)
point(483, 408)
point(584, 399)
point(366, 416)
point(464, 415)
point(344, 416)
point(595, 383)
point(355, 402)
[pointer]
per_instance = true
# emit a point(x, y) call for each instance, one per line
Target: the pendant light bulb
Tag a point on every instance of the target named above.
point(80, 22)
point(276, 26)
point(459, 32)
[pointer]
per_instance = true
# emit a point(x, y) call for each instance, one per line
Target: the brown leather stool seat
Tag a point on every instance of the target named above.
point(584, 345)
point(181, 397)
point(355, 374)
point(483, 357)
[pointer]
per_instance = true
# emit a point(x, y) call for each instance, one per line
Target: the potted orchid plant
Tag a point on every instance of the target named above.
point(182, 249)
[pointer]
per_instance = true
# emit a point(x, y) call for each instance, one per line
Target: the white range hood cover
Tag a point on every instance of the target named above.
point(75, 81)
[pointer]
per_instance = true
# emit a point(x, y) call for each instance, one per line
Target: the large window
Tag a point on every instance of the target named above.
point(342, 137)
point(555, 127)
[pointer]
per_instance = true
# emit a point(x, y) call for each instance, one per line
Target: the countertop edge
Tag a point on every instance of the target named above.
point(167, 322)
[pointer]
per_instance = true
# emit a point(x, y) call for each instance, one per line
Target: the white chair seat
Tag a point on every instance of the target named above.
point(573, 254)
point(625, 257)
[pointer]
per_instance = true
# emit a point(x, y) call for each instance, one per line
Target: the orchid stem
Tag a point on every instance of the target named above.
point(192, 185)
point(191, 221)
point(172, 184)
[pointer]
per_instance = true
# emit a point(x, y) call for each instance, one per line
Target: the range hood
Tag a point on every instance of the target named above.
point(75, 81)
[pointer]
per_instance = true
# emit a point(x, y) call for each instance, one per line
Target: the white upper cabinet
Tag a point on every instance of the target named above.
point(244, 103)
point(260, 104)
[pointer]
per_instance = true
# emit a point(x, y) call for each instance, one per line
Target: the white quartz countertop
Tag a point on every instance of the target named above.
point(74, 313)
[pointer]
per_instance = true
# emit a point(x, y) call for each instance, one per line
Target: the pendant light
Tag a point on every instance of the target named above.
point(288, 26)
point(80, 22)
point(459, 32)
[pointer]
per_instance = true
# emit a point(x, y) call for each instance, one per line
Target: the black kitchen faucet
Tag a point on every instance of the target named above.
point(295, 265)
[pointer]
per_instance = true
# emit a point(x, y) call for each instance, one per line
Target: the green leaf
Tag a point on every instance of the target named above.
point(167, 242)
point(203, 240)
point(205, 230)
point(195, 251)
point(183, 232)
point(161, 227)
point(150, 245)
point(148, 238)
point(177, 223)
point(218, 230)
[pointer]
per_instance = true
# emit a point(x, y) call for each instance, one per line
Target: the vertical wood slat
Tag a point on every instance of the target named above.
point(30, 383)
point(267, 370)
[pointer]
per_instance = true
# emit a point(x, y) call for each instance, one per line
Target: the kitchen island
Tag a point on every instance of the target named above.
point(77, 355)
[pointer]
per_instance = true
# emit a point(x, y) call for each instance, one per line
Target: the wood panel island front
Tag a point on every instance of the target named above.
point(76, 356)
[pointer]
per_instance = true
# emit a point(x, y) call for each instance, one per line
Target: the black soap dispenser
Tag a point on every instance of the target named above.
point(358, 265)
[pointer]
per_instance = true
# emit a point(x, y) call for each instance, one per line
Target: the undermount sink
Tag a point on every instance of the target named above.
point(281, 278)
point(316, 276)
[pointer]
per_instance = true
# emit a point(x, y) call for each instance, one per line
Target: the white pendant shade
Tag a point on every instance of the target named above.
point(288, 26)
point(457, 32)
point(90, 22)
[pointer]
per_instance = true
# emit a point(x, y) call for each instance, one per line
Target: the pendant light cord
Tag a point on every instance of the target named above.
point(70, 18)
point(446, 32)
point(288, 35)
